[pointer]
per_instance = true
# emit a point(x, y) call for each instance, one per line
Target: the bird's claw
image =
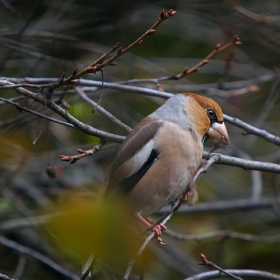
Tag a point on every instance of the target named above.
point(157, 229)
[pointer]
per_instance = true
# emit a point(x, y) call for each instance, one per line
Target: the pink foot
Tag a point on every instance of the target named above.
point(157, 229)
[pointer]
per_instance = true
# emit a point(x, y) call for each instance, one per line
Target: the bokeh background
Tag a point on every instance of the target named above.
point(47, 38)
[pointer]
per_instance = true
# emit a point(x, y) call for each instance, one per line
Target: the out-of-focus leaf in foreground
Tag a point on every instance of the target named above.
point(103, 228)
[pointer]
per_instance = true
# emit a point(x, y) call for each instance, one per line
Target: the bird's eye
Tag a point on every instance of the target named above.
point(211, 114)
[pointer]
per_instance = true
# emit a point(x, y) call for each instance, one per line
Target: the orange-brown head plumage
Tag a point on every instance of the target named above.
point(207, 117)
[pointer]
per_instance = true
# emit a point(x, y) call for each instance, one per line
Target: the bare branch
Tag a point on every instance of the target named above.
point(22, 108)
point(78, 124)
point(224, 234)
point(244, 163)
point(247, 127)
point(223, 206)
point(264, 18)
point(203, 207)
point(204, 261)
point(234, 85)
point(73, 159)
point(37, 256)
point(100, 109)
point(100, 63)
point(235, 41)
point(238, 272)
point(253, 130)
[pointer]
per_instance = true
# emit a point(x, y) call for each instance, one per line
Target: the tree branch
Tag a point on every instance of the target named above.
point(235, 41)
point(37, 256)
point(100, 109)
point(224, 234)
point(238, 272)
point(223, 206)
point(253, 130)
point(264, 18)
point(204, 261)
point(244, 163)
point(73, 159)
point(21, 108)
point(63, 113)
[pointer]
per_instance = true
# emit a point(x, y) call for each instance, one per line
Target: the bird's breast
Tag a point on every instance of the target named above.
point(180, 156)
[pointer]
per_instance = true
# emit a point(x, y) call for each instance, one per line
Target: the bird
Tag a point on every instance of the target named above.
point(160, 156)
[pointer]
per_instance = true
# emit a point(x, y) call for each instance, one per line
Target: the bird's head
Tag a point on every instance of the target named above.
point(207, 117)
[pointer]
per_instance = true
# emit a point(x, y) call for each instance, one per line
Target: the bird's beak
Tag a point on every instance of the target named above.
point(218, 133)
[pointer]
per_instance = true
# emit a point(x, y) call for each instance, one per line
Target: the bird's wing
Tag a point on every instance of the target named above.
point(135, 157)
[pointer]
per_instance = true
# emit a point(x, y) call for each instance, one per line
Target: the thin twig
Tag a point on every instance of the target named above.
point(244, 204)
point(244, 163)
point(104, 136)
point(37, 256)
point(204, 261)
point(152, 92)
point(233, 85)
point(264, 18)
point(235, 41)
point(22, 108)
point(73, 159)
point(100, 63)
point(240, 272)
point(224, 234)
point(100, 109)
point(250, 129)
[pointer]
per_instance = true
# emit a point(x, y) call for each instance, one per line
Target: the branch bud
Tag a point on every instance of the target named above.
point(116, 46)
point(236, 40)
point(185, 70)
point(113, 63)
point(151, 31)
point(171, 13)
point(217, 47)
point(206, 61)
point(74, 71)
point(120, 50)
point(90, 68)
point(162, 14)
point(64, 158)
point(203, 260)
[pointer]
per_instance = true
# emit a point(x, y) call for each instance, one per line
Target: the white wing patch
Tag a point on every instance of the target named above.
point(141, 157)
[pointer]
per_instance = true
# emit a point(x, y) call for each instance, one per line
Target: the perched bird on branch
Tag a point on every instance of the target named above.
point(161, 155)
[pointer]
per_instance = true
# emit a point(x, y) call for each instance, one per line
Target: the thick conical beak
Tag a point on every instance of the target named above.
point(218, 133)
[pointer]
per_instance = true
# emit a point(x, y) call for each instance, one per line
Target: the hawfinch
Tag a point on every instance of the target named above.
point(160, 156)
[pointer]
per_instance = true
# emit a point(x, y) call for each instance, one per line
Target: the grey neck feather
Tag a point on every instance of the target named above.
point(173, 110)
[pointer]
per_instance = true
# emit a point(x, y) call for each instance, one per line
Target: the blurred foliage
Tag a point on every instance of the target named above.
point(46, 38)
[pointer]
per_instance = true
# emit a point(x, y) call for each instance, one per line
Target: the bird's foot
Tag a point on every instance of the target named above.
point(157, 229)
